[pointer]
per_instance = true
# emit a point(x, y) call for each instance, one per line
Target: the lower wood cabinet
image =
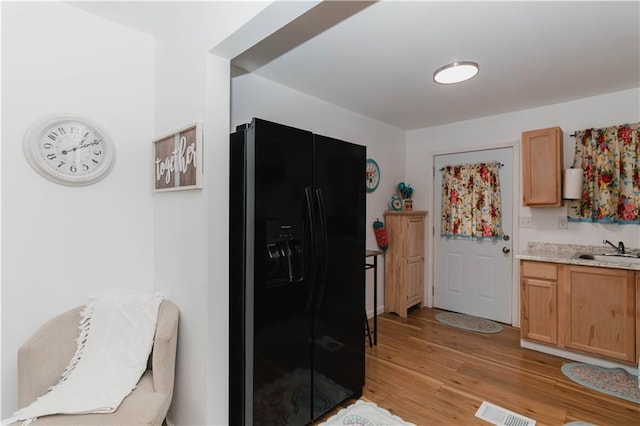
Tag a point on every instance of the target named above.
point(582, 308)
point(598, 311)
point(539, 296)
point(637, 319)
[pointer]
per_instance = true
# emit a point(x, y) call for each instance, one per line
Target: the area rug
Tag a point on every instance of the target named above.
point(279, 402)
point(364, 413)
point(612, 381)
point(468, 322)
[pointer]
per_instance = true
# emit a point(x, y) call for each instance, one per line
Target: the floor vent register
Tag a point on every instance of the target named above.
point(501, 416)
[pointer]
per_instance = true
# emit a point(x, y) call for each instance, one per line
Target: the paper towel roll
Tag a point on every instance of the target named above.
point(572, 184)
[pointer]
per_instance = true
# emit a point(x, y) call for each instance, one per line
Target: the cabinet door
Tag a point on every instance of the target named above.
point(598, 311)
point(415, 238)
point(542, 167)
point(395, 295)
point(539, 310)
point(415, 280)
point(539, 296)
point(637, 317)
point(414, 272)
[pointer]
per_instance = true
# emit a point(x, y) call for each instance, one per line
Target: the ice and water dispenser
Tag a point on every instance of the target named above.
point(284, 252)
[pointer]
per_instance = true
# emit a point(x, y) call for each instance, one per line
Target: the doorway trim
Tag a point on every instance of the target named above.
point(514, 232)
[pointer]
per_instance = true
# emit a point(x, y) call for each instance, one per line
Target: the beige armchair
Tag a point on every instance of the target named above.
point(43, 358)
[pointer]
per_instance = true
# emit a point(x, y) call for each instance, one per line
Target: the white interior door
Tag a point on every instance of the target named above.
point(473, 276)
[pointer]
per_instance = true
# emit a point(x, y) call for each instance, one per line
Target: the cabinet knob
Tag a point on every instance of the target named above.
point(506, 250)
point(505, 237)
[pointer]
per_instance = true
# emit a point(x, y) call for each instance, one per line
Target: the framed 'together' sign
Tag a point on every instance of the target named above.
point(178, 160)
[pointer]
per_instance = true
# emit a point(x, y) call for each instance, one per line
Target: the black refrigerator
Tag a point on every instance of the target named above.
point(297, 264)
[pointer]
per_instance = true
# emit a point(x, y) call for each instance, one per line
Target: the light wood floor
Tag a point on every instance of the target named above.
point(429, 373)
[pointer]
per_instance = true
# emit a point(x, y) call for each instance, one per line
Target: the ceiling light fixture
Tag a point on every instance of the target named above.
point(456, 72)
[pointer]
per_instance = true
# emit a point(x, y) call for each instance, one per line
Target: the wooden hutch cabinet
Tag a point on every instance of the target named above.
point(404, 260)
point(542, 167)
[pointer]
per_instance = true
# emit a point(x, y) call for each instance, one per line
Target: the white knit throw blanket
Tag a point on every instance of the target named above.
point(116, 336)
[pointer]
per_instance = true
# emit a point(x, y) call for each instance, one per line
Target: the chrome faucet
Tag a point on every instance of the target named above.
point(619, 248)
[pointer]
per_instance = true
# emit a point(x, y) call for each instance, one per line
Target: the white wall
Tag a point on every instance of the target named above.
point(595, 112)
point(60, 244)
point(253, 96)
point(191, 227)
point(57, 58)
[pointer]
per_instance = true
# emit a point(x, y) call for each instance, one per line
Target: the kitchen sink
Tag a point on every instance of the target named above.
point(615, 258)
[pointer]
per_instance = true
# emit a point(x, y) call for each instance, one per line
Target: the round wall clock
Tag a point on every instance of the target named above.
point(69, 149)
point(372, 175)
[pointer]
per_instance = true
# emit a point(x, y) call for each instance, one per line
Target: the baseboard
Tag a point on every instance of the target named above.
point(577, 357)
point(370, 312)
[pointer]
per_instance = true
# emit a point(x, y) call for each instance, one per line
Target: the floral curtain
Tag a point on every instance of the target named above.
point(471, 202)
point(610, 161)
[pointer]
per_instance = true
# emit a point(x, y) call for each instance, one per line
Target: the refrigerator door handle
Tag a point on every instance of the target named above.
point(313, 249)
point(323, 248)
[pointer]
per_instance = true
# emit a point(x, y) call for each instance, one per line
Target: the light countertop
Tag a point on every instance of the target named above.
point(567, 254)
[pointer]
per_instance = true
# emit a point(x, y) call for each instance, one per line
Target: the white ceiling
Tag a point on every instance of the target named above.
point(379, 59)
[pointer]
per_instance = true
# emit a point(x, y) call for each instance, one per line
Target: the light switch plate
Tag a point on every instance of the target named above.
point(526, 221)
point(563, 222)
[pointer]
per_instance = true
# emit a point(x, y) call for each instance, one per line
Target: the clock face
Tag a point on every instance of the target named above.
point(372, 175)
point(69, 149)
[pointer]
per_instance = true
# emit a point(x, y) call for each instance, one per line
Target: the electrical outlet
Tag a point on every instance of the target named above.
point(526, 221)
point(562, 222)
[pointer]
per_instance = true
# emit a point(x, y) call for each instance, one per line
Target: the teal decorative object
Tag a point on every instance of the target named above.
point(396, 202)
point(406, 191)
point(372, 175)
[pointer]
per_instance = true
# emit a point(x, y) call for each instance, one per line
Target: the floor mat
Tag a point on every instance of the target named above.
point(468, 322)
point(612, 381)
point(364, 413)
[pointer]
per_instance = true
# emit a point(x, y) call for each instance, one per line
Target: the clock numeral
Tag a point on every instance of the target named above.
point(73, 168)
point(62, 163)
point(51, 156)
point(53, 136)
point(95, 161)
point(74, 130)
point(85, 167)
point(47, 146)
point(97, 152)
point(62, 130)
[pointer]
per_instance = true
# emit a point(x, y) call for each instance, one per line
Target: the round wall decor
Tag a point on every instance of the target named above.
point(372, 175)
point(69, 149)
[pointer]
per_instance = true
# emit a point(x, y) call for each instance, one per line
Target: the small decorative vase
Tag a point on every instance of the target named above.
point(395, 203)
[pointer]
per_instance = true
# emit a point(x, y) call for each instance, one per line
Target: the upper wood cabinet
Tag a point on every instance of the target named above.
point(542, 167)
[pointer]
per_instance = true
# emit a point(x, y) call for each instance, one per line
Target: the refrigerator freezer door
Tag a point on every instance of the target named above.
point(282, 322)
